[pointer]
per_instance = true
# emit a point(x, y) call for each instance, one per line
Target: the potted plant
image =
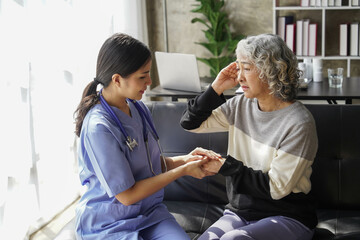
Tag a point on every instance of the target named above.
point(220, 41)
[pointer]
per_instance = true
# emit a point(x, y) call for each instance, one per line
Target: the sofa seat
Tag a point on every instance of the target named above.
point(338, 224)
point(196, 204)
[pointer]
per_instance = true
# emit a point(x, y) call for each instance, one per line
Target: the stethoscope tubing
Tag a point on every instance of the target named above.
point(143, 115)
point(145, 120)
point(112, 114)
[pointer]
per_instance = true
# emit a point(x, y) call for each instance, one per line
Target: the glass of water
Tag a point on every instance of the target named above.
point(335, 76)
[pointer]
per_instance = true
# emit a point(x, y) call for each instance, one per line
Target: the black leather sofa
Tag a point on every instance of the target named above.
point(196, 204)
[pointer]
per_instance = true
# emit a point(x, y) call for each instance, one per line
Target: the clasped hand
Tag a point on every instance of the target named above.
point(211, 162)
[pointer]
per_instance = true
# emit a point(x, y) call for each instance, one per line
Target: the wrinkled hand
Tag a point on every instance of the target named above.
point(192, 157)
point(205, 152)
point(213, 165)
point(226, 79)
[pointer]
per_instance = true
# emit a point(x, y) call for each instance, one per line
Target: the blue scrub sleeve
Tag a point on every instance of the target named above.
point(109, 162)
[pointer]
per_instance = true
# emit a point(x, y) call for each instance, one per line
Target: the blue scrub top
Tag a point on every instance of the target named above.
point(108, 167)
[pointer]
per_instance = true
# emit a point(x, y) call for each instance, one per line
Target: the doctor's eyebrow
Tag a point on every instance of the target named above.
point(146, 72)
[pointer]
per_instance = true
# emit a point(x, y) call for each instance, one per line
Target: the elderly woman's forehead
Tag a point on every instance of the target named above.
point(243, 60)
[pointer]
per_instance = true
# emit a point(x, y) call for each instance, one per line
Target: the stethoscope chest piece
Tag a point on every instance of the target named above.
point(131, 143)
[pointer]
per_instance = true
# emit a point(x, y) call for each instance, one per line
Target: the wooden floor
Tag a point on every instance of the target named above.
point(49, 231)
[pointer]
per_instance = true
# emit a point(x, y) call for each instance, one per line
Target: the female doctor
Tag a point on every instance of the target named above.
point(119, 159)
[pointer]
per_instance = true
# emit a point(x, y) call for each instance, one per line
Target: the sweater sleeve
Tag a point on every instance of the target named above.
point(200, 108)
point(246, 180)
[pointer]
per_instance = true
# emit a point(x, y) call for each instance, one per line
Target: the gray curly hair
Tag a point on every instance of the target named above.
point(274, 61)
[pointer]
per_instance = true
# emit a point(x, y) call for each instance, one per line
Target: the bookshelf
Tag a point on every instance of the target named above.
point(328, 20)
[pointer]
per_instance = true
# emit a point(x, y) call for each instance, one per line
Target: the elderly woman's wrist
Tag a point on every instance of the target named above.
point(217, 89)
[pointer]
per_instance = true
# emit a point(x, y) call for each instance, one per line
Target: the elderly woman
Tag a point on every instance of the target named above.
point(272, 144)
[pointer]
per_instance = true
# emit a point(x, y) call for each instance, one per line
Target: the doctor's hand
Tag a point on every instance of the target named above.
point(226, 79)
point(194, 168)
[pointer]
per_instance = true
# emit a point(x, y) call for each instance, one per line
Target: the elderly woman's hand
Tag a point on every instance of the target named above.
point(213, 165)
point(226, 79)
point(205, 152)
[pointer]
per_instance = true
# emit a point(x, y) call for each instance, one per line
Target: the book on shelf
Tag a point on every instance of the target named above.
point(299, 37)
point(354, 39)
point(312, 39)
point(282, 22)
point(290, 36)
point(338, 3)
point(304, 3)
point(305, 41)
point(318, 3)
point(344, 39)
point(354, 3)
point(331, 3)
point(312, 3)
point(324, 3)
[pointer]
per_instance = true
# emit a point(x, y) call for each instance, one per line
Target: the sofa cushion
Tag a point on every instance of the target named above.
point(174, 139)
point(337, 224)
point(337, 163)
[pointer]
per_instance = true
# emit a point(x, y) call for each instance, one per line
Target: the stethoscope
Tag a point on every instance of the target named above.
point(131, 142)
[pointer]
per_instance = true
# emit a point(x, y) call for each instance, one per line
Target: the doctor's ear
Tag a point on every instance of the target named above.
point(116, 79)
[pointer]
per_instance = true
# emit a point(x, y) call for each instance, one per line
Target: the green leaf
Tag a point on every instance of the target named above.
point(209, 35)
point(220, 31)
point(213, 63)
point(233, 43)
point(196, 10)
point(215, 48)
point(225, 60)
point(213, 73)
point(209, 46)
point(218, 5)
point(216, 64)
point(194, 20)
point(213, 19)
point(228, 33)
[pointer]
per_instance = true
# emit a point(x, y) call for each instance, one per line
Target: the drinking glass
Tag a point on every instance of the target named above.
point(335, 76)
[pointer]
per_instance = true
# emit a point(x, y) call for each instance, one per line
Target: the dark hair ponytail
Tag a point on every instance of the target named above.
point(121, 54)
point(88, 100)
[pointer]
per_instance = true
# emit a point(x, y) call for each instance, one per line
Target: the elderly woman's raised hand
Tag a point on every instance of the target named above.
point(226, 79)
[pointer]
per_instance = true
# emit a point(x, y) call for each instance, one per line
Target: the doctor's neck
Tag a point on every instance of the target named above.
point(114, 99)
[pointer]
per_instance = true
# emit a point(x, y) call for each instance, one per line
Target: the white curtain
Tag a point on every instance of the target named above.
point(48, 51)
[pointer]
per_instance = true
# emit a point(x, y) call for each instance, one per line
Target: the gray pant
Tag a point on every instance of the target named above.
point(230, 226)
